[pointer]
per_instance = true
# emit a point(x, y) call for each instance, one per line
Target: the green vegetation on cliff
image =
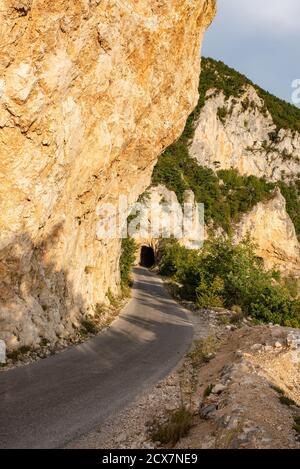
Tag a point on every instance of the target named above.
point(226, 195)
point(127, 259)
point(222, 274)
point(215, 75)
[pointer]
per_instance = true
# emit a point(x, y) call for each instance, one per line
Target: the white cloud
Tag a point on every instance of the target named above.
point(274, 16)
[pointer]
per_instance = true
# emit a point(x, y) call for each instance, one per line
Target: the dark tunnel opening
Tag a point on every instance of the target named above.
point(147, 257)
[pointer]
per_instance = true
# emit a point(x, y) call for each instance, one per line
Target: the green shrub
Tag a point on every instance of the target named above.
point(291, 193)
point(225, 195)
point(114, 301)
point(222, 273)
point(127, 259)
point(210, 295)
point(277, 389)
point(273, 304)
point(88, 326)
point(287, 401)
point(203, 350)
point(172, 260)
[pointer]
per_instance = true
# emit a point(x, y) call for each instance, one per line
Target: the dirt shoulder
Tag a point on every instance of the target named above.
point(240, 386)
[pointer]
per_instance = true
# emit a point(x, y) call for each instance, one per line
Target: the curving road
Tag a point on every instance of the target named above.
point(49, 403)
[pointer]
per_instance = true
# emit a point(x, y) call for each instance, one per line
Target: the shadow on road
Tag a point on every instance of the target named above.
point(50, 402)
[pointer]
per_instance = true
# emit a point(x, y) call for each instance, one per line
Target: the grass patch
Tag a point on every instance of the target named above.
point(285, 400)
point(277, 389)
point(88, 326)
point(224, 320)
point(88, 269)
point(177, 425)
point(99, 309)
point(216, 75)
point(208, 390)
point(291, 193)
point(203, 351)
point(16, 354)
point(128, 251)
point(126, 290)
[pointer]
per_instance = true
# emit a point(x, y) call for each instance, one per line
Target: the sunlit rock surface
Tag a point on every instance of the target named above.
point(91, 92)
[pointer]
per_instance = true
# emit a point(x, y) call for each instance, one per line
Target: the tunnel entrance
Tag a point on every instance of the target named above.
point(147, 257)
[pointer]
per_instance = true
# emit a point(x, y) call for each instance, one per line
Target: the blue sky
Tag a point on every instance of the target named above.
point(260, 38)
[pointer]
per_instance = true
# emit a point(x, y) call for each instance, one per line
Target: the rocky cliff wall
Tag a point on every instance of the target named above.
point(273, 232)
point(91, 92)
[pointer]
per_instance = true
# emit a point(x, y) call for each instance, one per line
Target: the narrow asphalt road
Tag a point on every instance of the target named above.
point(49, 403)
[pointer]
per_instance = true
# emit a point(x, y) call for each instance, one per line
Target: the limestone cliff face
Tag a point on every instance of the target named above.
point(241, 138)
point(273, 232)
point(90, 93)
point(239, 133)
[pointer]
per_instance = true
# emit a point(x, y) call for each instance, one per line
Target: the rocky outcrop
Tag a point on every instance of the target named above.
point(163, 217)
point(236, 390)
point(239, 133)
point(268, 225)
point(90, 93)
point(273, 232)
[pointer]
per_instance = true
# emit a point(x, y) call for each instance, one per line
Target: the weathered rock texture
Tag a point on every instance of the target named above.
point(268, 224)
point(90, 93)
point(273, 232)
point(163, 217)
point(242, 139)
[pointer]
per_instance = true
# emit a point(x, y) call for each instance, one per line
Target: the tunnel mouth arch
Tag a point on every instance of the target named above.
point(147, 257)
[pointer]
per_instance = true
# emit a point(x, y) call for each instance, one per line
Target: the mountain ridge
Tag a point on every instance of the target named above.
point(250, 160)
